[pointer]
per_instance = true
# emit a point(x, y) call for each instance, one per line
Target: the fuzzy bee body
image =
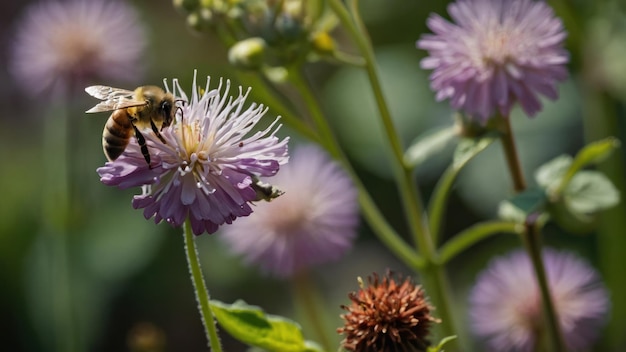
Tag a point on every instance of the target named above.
point(133, 111)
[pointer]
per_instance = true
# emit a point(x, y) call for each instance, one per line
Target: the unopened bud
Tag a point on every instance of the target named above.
point(323, 43)
point(186, 5)
point(248, 53)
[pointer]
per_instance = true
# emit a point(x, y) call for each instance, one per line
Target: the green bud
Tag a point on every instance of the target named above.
point(200, 20)
point(248, 53)
point(186, 5)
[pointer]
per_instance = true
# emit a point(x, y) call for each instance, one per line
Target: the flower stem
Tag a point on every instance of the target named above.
point(56, 215)
point(532, 235)
point(512, 157)
point(375, 219)
point(308, 299)
point(532, 241)
point(468, 237)
point(199, 286)
point(404, 176)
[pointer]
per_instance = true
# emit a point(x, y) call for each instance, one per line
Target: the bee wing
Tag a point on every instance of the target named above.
point(113, 98)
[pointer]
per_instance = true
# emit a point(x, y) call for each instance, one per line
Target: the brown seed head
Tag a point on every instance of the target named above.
point(387, 316)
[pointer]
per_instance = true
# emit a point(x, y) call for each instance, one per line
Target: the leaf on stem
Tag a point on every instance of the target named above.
point(250, 325)
point(439, 346)
point(521, 205)
point(428, 144)
point(470, 147)
point(593, 153)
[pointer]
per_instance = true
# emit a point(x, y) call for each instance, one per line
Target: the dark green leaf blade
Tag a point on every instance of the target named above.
point(249, 324)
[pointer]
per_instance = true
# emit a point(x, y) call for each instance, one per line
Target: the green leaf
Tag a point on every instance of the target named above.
point(470, 147)
point(595, 152)
point(550, 174)
point(250, 325)
point(439, 346)
point(518, 207)
point(592, 153)
point(428, 144)
point(590, 192)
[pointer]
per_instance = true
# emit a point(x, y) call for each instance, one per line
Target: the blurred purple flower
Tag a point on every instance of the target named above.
point(497, 52)
point(63, 42)
point(506, 307)
point(313, 222)
point(205, 170)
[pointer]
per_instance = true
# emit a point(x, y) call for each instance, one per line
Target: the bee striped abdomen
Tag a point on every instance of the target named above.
point(116, 134)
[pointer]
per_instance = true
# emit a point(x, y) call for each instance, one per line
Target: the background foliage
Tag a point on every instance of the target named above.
point(129, 277)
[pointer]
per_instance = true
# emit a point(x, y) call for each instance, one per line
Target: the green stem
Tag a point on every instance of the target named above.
point(532, 241)
point(199, 286)
point(348, 59)
point(472, 235)
point(374, 217)
point(56, 204)
point(532, 237)
point(308, 299)
point(437, 204)
point(407, 187)
point(512, 157)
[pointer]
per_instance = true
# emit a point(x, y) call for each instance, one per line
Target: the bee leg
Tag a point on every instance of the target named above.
point(181, 110)
point(142, 144)
point(156, 132)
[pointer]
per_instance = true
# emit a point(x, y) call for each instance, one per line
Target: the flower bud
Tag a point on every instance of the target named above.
point(186, 5)
point(323, 43)
point(248, 53)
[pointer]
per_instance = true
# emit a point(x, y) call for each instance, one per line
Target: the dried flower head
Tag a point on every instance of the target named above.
point(506, 308)
point(62, 42)
point(496, 53)
point(387, 316)
point(313, 222)
point(207, 168)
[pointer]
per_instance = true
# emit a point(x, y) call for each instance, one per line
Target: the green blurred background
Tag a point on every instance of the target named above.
point(128, 278)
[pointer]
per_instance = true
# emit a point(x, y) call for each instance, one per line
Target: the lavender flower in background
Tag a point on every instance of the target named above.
point(312, 223)
point(70, 42)
point(204, 171)
point(497, 53)
point(506, 308)
point(387, 315)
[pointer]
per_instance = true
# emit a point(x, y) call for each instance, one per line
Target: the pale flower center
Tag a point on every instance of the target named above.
point(288, 215)
point(495, 48)
point(76, 50)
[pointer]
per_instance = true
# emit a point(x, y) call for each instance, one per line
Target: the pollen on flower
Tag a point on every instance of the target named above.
point(387, 315)
point(201, 173)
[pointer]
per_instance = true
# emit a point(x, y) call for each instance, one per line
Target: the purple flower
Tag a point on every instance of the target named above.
point(205, 170)
point(506, 307)
point(57, 43)
point(497, 52)
point(313, 222)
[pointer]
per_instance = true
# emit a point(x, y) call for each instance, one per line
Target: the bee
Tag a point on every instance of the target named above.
point(133, 111)
point(265, 191)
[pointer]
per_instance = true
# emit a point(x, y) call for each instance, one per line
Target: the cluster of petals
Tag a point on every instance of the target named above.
point(75, 41)
point(494, 54)
point(506, 307)
point(205, 170)
point(313, 222)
